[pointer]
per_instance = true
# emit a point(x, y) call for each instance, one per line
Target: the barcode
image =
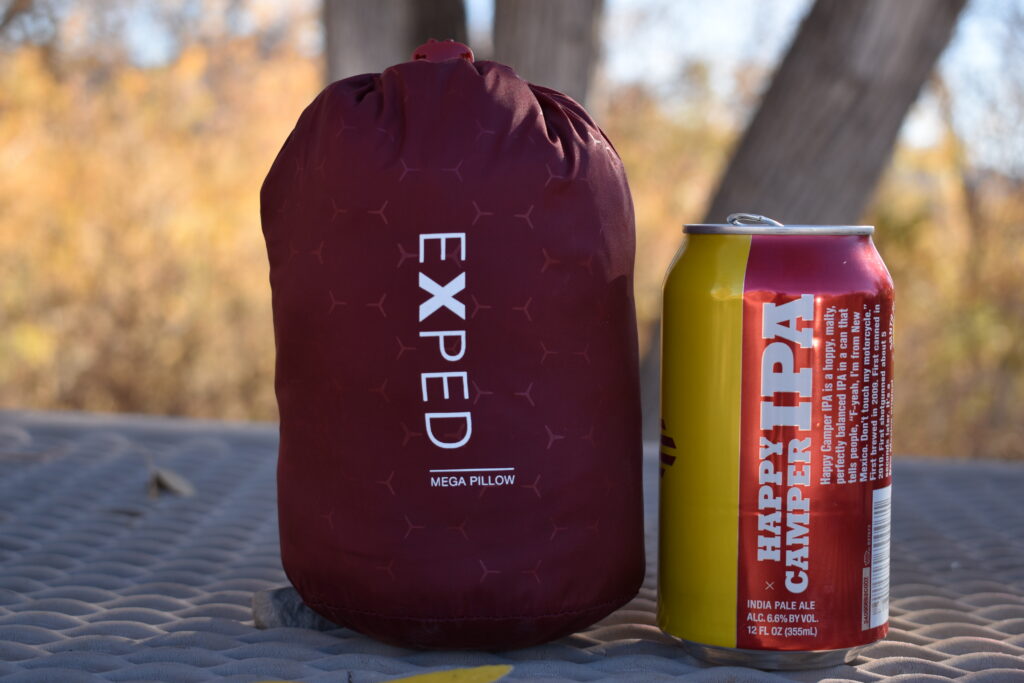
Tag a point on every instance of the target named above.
point(881, 516)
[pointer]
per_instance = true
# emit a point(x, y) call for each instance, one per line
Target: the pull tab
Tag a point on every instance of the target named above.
point(751, 219)
point(442, 51)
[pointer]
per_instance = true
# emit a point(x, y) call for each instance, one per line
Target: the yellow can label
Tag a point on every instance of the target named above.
point(697, 594)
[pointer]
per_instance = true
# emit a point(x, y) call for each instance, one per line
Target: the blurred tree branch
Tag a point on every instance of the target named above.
point(14, 9)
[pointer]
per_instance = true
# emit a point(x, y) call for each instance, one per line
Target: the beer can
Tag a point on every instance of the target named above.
point(776, 453)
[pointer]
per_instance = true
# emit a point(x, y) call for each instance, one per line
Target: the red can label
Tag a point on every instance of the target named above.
point(815, 466)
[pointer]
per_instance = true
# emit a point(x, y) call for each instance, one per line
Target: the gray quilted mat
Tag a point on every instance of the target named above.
point(99, 582)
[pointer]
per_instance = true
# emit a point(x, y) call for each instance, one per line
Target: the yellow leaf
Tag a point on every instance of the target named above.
point(478, 674)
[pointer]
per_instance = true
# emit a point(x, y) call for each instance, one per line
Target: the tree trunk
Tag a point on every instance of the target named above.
point(362, 36)
point(439, 19)
point(554, 43)
point(825, 129)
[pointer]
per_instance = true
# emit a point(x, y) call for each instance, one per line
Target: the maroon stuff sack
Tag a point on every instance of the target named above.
point(451, 259)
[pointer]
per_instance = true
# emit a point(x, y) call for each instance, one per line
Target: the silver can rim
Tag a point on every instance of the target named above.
point(759, 229)
point(776, 660)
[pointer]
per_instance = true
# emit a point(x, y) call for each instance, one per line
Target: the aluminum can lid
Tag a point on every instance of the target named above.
point(756, 224)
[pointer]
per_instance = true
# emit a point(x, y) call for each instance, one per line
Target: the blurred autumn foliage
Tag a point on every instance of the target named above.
point(135, 276)
point(953, 237)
